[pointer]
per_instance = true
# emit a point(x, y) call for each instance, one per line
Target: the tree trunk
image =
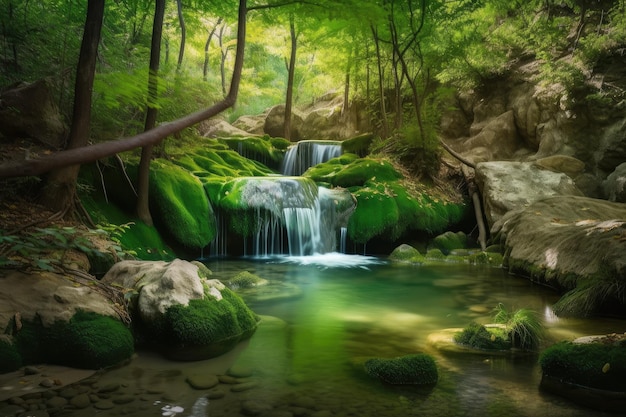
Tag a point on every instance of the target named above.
point(94, 152)
point(291, 70)
point(224, 54)
point(59, 190)
point(183, 34)
point(381, 85)
point(143, 182)
point(205, 67)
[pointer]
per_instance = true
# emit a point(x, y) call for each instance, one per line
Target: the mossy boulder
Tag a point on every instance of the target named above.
point(477, 336)
point(417, 369)
point(177, 307)
point(406, 253)
point(88, 341)
point(449, 241)
point(349, 170)
point(245, 279)
point(596, 365)
point(180, 205)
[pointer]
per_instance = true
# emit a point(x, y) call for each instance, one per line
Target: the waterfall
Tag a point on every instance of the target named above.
point(293, 216)
point(308, 153)
point(343, 240)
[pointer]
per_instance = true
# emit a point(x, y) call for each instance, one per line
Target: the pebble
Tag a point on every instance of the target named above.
point(227, 379)
point(202, 381)
point(56, 402)
point(240, 371)
point(80, 401)
point(215, 394)
point(47, 383)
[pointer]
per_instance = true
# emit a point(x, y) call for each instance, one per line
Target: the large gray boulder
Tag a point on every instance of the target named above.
point(570, 243)
point(508, 186)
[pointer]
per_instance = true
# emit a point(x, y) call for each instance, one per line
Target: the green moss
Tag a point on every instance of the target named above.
point(478, 336)
point(208, 321)
point(375, 214)
point(435, 254)
point(349, 170)
point(418, 369)
point(586, 364)
point(180, 206)
point(449, 241)
point(89, 341)
point(10, 359)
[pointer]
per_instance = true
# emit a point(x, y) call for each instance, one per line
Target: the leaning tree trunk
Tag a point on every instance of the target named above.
point(291, 70)
point(59, 191)
point(143, 182)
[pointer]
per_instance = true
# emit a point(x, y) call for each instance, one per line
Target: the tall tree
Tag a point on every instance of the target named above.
point(291, 70)
point(59, 191)
point(205, 66)
point(143, 182)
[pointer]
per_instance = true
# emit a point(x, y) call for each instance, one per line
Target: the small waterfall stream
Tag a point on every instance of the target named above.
point(293, 215)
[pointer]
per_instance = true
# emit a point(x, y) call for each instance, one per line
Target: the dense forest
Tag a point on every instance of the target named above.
point(153, 62)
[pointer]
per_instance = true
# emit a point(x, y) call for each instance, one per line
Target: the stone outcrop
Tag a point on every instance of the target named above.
point(509, 186)
point(570, 243)
point(27, 110)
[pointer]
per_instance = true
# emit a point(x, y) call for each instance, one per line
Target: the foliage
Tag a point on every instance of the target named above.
point(596, 365)
point(478, 336)
point(416, 369)
point(523, 326)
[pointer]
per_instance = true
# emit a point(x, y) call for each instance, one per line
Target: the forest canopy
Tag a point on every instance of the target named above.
point(401, 58)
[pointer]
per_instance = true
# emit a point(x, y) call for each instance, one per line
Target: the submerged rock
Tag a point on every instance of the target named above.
point(418, 369)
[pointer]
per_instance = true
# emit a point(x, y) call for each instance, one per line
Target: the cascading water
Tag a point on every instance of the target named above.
point(292, 214)
point(308, 153)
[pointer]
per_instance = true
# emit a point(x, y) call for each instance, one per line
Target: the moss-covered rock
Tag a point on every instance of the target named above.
point(358, 145)
point(477, 336)
point(245, 279)
point(406, 253)
point(207, 327)
point(180, 205)
point(448, 241)
point(349, 170)
point(88, 341)
point(10, 358)
point(597, 365)
point(418, 369)
point(486, 258)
